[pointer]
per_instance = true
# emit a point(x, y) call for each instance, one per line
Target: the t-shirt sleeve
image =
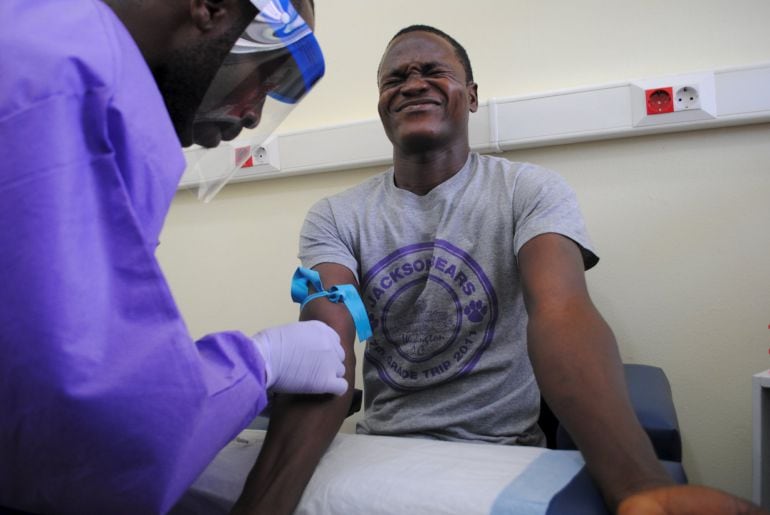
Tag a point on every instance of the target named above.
point(320, 240)
point(543, 202)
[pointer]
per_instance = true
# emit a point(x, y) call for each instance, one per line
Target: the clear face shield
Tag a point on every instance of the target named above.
point(270, 68)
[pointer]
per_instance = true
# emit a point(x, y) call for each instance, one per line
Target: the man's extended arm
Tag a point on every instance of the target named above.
point(578, 368)
point(301, 426)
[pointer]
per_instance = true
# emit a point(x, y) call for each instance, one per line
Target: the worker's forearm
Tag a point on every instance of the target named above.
point(581, 376)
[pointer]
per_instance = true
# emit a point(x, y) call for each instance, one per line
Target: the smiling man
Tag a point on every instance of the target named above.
point(472, 271)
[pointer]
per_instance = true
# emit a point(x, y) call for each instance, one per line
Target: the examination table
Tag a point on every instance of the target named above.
point(373, 475)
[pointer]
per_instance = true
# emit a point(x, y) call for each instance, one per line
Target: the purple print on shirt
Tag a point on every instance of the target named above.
point(433, 314)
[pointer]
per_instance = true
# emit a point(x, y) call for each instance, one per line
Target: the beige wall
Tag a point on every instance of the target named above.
point(680, 221)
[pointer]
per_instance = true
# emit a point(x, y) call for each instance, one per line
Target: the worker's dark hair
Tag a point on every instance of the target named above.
point(462, 55)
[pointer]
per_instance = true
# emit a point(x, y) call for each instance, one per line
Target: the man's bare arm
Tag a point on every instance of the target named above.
point(577, 365)
point(301, 426)
point(578, 368)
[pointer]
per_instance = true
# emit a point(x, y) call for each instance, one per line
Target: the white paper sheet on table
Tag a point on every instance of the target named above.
point(380, 475)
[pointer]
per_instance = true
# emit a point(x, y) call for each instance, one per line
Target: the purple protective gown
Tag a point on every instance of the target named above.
point(107, 405)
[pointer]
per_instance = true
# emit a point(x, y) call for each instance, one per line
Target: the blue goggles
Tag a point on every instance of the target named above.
point(276, 57)
point(271, 67)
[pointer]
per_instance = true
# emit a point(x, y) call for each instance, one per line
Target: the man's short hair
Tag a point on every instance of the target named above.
point(462, 55)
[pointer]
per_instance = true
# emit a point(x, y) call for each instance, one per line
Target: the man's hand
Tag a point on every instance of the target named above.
point(687, 500)
point(303, 357)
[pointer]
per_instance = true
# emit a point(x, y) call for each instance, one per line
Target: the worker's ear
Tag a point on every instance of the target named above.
point(473, 96)
point(306, 10)
point(208, 14)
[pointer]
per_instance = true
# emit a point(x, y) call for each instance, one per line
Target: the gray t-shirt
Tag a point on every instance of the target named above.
point(440, 281)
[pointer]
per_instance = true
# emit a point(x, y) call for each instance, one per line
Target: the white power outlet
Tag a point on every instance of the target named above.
point(260, 156)
point(686, 97)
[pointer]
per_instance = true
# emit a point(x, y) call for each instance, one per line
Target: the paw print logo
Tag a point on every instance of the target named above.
point(373, 322)
point(475, 311)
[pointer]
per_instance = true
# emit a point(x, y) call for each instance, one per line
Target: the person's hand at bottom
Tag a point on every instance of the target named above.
point(686, 500)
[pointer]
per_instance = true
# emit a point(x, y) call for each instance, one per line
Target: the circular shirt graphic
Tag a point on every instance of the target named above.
point(433, 314)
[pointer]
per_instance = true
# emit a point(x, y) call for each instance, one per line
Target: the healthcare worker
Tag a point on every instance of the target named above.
point(108, 405)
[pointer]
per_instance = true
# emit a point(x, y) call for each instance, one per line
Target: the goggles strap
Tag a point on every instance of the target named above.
point(345, 293)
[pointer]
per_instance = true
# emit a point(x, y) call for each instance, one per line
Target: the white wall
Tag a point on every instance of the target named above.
point(680, 220)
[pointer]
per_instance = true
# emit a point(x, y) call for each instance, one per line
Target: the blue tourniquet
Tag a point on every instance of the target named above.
point(345, 293)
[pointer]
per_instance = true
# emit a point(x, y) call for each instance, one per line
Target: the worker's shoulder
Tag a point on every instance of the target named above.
point(53, 48)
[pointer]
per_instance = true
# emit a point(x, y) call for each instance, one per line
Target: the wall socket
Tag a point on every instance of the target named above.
point(659, 100)
point(257, 160)
point(687, 97)
point(673, 99)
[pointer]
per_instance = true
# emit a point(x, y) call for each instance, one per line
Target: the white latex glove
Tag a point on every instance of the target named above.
point(303, 357)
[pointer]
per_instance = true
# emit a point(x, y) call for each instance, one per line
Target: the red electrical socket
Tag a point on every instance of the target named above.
point(659, 100)
point(240, 156)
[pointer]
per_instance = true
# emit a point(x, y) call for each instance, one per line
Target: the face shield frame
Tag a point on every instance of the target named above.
point(271, 67)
